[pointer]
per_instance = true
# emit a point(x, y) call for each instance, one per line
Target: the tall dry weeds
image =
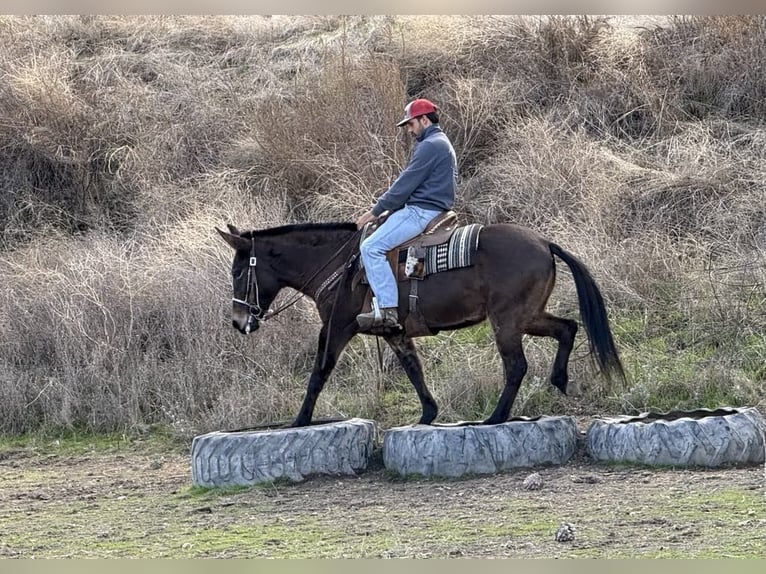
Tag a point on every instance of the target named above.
point(128, 139)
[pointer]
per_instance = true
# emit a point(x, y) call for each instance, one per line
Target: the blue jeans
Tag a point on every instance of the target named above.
point(401, 226)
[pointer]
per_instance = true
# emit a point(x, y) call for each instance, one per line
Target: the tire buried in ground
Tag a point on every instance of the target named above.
point(702, 437)
point(247, 457)
point(456, 450)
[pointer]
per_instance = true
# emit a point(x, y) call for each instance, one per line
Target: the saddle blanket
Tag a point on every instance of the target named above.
point(458, 251)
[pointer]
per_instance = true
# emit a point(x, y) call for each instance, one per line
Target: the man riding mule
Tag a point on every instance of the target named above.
point(424, 189)
point(509, 280)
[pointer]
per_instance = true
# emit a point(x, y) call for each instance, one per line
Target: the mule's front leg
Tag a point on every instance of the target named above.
point(328, 351)
point(407, 353)
point(315, 385)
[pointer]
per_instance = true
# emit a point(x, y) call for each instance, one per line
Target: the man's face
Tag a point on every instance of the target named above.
point(415, 126)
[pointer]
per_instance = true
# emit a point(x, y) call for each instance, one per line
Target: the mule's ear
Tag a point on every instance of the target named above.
point(233, 229)
point(235, 241)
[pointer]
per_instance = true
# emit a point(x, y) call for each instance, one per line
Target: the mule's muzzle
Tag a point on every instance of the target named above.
point(250, 324)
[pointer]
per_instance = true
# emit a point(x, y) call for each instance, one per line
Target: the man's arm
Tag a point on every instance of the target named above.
point(414, 174)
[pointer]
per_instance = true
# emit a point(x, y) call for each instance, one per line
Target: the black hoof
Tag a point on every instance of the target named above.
point(560, 384)
point(492, 421)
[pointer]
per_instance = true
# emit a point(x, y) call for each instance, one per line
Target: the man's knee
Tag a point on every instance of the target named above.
point(364, 248)
point(369, 249)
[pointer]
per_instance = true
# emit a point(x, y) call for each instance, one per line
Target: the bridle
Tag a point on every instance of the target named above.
point(256, 311)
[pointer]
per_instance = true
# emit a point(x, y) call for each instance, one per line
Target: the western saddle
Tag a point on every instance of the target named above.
point(407, 263)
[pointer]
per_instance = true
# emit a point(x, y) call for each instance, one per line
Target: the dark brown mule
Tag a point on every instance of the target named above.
point(509, 284)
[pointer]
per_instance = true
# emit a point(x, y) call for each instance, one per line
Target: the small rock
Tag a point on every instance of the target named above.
point(533, 482)
point(565, 532)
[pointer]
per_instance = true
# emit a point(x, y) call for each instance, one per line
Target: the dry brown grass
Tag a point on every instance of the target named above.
point(128, 138)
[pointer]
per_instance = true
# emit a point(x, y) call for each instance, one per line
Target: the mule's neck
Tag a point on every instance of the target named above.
point(310, 255)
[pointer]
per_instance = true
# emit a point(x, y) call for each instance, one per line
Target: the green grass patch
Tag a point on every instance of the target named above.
point(74, 441)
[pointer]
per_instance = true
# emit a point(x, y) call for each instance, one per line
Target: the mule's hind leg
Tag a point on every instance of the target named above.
point(564, 331)
point(514, 366)
point(408, 357)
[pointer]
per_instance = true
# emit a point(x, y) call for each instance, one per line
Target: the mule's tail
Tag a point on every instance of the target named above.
point(593, 314)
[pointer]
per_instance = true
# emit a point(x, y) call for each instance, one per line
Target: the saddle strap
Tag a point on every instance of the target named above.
point(415, 324)
point(413, 298)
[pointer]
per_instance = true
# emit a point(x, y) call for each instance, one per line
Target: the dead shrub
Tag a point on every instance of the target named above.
point(707, 61)
point(332, 143)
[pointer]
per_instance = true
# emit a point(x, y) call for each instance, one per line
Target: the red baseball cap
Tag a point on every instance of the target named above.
point(415, 108)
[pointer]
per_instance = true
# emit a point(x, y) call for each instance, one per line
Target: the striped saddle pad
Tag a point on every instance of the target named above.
point(458, 251)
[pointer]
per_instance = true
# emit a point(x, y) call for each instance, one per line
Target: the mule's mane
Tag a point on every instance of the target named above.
point(300, 227)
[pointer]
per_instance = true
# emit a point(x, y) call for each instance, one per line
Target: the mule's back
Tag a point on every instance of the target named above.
point(510, 249)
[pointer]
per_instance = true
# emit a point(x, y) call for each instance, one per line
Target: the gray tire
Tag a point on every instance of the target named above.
point(244, 458)
point(702, 437)
point(451, 451)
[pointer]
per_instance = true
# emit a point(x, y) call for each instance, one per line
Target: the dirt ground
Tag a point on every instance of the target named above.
point(133, 503)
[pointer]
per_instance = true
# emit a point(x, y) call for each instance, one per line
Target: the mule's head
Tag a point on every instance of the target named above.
point(254, 285)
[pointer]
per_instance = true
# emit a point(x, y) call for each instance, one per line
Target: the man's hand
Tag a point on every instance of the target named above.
point(365, 218)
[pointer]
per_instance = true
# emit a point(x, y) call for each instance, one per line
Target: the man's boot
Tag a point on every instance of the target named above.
point(384, 318)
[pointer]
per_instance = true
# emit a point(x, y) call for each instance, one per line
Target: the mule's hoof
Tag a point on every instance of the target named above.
point(560, 384)
point(492, 421)
point(429, 416)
